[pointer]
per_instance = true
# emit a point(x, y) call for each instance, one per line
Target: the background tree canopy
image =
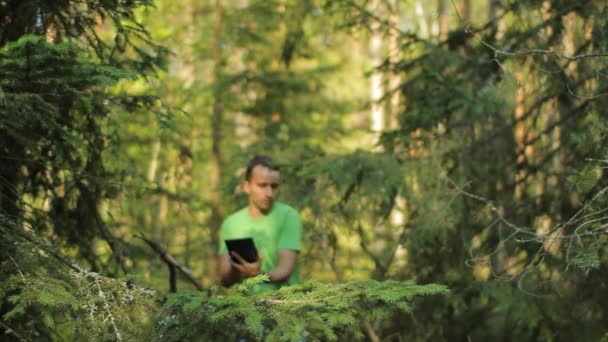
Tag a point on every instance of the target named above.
point(460, 143)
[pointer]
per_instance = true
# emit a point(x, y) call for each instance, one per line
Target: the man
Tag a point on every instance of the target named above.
point(274, 226)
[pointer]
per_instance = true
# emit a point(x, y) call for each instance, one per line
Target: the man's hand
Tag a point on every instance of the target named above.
point(247, 269)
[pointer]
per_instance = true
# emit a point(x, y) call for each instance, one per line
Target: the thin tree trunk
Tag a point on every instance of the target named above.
point(425, 27)
point(565, 103)
point(464, 9)
point(394, 58)
point(377, 117)
point(243, 123)
point(520, 135)
point(377, 126)
point(150, 178)
point(397, 214)
point(160, 224)
point(153, 165)
point(216, 127)
point(184, 183)
point(9, 174)
point(376, 88)
point(442, 19)
point(492, 10)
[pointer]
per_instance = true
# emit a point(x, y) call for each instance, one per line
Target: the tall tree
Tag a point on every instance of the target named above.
point(217, 127)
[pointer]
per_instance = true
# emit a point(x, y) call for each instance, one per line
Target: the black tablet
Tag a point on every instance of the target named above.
point(244, 247)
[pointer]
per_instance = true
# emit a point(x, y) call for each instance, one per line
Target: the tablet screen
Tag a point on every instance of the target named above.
point(244, 247)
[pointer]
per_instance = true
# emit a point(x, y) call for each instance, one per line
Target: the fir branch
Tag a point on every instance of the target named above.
point(331, 309)
point(8, 226)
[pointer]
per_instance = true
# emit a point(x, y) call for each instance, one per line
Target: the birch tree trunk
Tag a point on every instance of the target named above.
point(376, 87)
point(425, 27)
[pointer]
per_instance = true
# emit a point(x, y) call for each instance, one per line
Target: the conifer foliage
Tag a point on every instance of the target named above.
point(53, 101)
point(57, 73)
point(53, 104)
point(45, 296)
point(324, 311)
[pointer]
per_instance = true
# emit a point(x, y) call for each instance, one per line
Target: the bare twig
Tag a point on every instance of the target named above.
point(521, 52)
point(283, 301)
point(548, 238)
point(494, 209)
point(379, 263)
point(583, 97)
point(12, 331)
point(18, 268)
point(39, 244)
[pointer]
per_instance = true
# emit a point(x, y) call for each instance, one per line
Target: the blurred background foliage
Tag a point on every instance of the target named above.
point(454, 142)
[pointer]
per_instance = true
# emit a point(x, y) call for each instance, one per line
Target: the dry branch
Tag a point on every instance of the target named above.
point(172, 263)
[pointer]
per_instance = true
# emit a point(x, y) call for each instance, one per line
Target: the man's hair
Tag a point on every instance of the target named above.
point(264, 161)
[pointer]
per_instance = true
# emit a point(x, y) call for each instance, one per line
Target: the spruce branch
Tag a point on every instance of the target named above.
point(332, 310)
point(108, 309)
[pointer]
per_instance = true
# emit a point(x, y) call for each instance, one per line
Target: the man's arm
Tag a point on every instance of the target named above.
point(231, 272)
point(228, 274)
point(287, 263)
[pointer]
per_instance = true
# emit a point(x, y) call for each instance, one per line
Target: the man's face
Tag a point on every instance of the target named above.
point(262, 188)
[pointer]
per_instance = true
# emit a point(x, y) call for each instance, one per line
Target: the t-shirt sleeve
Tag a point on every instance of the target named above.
point(291, 232)
point(222, 249)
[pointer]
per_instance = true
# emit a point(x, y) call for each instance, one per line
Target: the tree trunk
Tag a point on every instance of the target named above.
point(184, 184)
point(9, 174)
point(160, 224)
point(560, 209)
point(464, 9)
point(520, 135)
point(425, 27)
point(216, 127)
point(492, 14)
point(377, 118)
point(443, 19)
point(376, 88)
point(394, 58)
point(243, 123)
point(150, 178)
point(396, 108)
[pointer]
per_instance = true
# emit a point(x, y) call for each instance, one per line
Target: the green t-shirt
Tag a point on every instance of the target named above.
point(281, 228)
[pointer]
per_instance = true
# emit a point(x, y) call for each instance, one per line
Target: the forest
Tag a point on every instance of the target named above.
point(446, 159)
